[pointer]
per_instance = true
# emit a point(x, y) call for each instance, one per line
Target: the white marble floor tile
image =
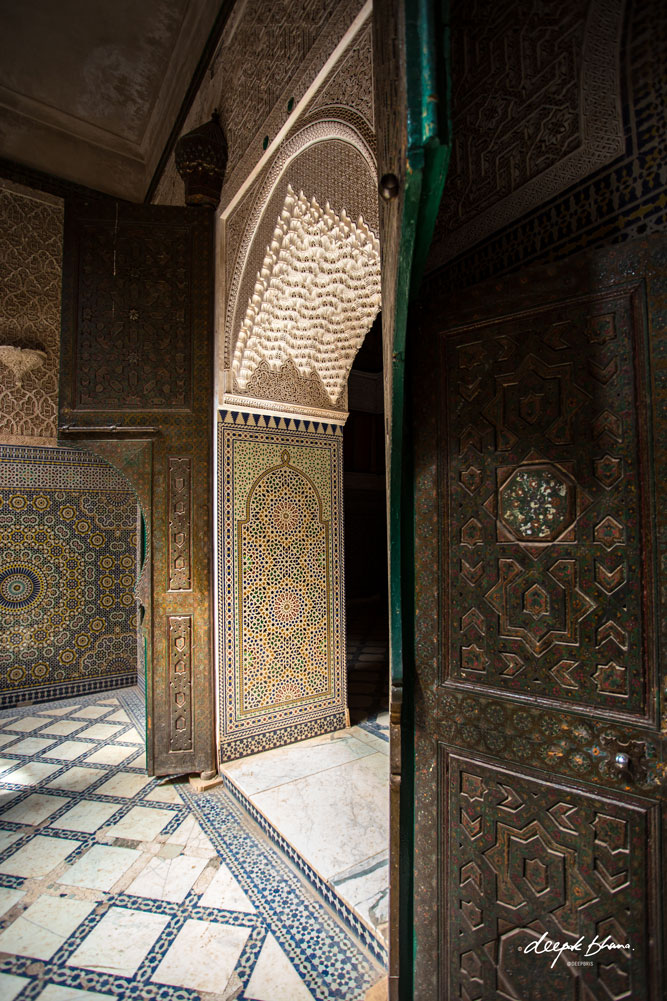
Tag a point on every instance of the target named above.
point(45, 926)
point(168, 878)
point(10, 986)
point(100, 731)
point(100, 867)
point(123, 784)
point(76, 779)
point(56, 992)
point(132, 737)
point(120, 942)
point(202, 957)
point(164, 794)
point(375, 911)
point(34, 809)
point(6, 763)
point(274, 978)
point(336, 818)
point(7, 738)
point(120, 716)
point(258, 772)
point(59, 710)
point(8, 838)
point(225, 893)
point(139, 761)
point(86, 816)
point(9, 897)
point(7, 797)
point(141, 823)
point(91, 712)
point(31, 745)
point(24, 724)
point(63, 727)
point(31, 773)
point(190, 835)
point(110, 754)
point(69, 750)
point(38, 857)
point(109, 702)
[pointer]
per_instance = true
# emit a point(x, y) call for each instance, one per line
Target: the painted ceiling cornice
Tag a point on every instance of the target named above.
point(90, 92)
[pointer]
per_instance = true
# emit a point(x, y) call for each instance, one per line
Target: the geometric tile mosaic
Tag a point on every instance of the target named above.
point(68, 565)
point(153, 892)
point(281, 613)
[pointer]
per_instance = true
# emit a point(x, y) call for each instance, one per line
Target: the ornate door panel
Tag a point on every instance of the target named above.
point(545, 565)
point(136, 387)
point(539, 760)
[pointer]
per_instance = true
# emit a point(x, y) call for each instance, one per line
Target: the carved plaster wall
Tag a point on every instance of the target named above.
point(31, 225)
point(328, 156)
point(264, 67)
point(295, 95)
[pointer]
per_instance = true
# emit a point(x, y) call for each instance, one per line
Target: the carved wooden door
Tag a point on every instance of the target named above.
point(136, 364)
point(540, 766)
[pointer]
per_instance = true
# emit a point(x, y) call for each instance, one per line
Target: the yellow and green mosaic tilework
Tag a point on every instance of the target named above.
point(68, 572)
point(281, 616)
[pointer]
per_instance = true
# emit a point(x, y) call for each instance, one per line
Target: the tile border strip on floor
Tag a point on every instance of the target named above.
point(372, 725)
point(352, 920)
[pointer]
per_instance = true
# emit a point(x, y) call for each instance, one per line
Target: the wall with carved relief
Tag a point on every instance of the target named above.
point(559, 125)
point(68, 520)
point(297, 288)
point(31, 226)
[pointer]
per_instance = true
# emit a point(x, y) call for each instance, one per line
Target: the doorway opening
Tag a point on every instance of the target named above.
point(366, 539)
point(324, 799)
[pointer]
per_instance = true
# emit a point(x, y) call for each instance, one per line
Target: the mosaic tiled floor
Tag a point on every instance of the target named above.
point(325, 801)
point(113, 886)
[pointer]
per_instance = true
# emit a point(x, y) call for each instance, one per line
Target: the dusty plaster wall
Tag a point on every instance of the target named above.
point(31, 227)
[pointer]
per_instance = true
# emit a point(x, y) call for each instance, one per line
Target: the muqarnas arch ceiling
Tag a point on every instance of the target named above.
point(315, 297)
point(302, 272)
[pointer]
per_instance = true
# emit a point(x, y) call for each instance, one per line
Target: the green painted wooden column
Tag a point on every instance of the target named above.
point(413, 141)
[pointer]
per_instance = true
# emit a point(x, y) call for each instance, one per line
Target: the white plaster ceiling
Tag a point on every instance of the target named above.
point(90, 89)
